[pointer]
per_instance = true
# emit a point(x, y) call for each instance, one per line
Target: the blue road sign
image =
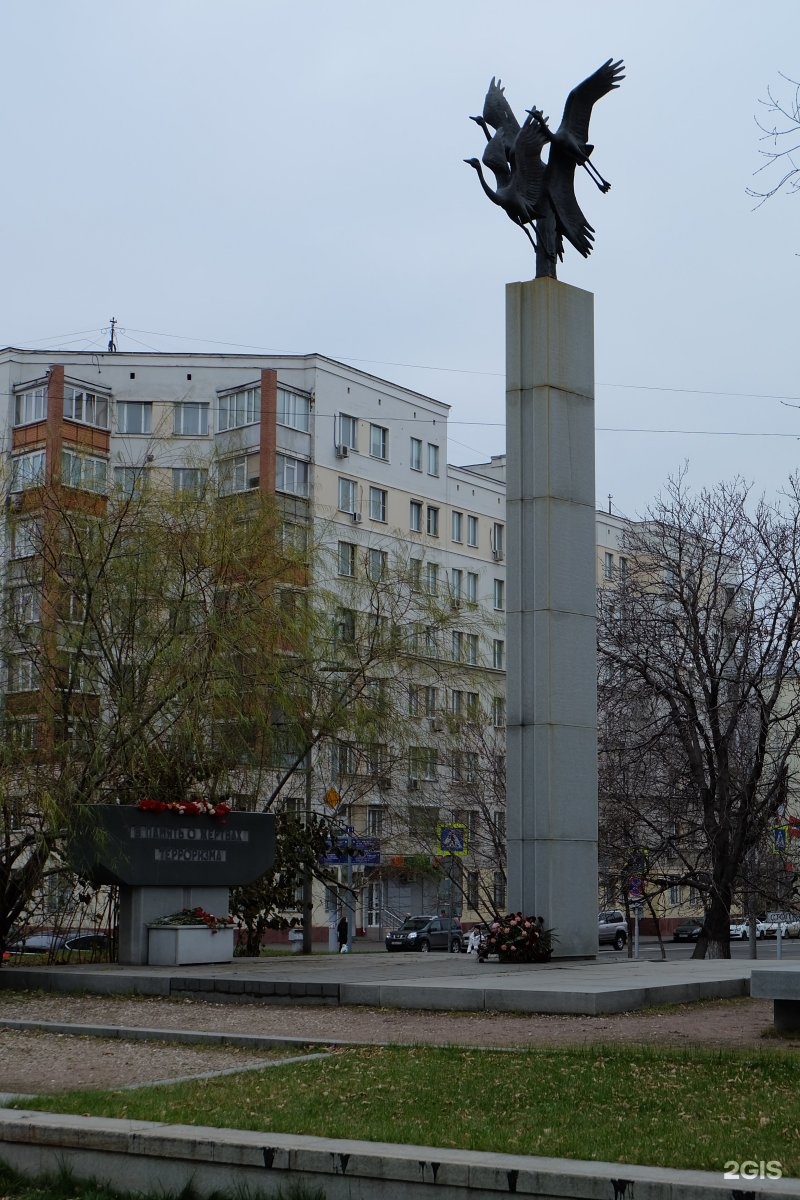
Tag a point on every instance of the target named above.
point(452, 839)
point(360, 851)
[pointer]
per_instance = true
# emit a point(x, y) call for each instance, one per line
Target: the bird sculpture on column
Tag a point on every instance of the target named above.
point(535, 193)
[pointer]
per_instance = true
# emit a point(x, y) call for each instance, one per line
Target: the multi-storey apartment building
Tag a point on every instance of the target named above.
point(361, 465)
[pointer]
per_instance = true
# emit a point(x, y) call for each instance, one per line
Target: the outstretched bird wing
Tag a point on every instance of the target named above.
point(498, 113)
point(569, 218)
point(578, 108)
point(494, 157)
point(529, 170)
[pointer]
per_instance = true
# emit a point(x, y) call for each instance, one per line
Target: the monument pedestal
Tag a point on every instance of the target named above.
point(551, 611)
point(139, 906)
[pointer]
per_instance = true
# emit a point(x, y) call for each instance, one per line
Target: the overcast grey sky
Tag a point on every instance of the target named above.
point(287, 175)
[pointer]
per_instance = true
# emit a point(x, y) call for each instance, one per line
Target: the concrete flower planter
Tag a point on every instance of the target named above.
point(176, 945)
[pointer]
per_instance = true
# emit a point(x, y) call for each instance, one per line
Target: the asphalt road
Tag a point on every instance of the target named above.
point(766, 949)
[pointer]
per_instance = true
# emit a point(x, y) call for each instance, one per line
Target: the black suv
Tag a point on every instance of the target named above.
point(426, 933)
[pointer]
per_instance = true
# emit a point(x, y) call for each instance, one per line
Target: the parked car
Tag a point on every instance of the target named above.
point(427, 933)
point(48, 942)
point(688, 931)
point(612, 928)
point(740, 927)
point(789, 924)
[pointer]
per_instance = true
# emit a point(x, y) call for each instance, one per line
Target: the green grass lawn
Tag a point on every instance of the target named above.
point(671, 1108)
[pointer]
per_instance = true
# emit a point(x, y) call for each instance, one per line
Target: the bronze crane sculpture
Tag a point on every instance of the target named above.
point(543, 194)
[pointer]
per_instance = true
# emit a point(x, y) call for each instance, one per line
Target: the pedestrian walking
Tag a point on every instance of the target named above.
point(341, 933)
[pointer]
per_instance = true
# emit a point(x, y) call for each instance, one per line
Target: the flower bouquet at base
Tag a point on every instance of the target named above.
point(518, 939)
point(197, 917)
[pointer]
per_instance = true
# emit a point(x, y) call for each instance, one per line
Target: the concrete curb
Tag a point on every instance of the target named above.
point(156, 1157)
point(246, 1041)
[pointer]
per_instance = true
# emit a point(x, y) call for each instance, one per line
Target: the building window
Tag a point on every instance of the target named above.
point(233, 476)
point(129, 480)
point(21, 673)
point(377, 504)
point(433, 459)
point(415, 516)
point(498, 541)
point(472, 531)
point(499, 890)
point(346, 626)
point(26, 538)
point(30, 405)
point(85, 407)
point(674, 894)
point(431, 641)
point(457, 526)
point(456, 583)
point(498, 711)
point(422, 821)
point(465, 770)
point(234, 410)
point(471, 649)
point(25, 606)
point(499, 595)
point(134, 418)
point(190, 420)
point(22, 733)
point(423, 762)
point(457, 645)
point(432, 578)
point(457, 701)
point(85, 472)
point(27, 470)
point(416, 454)
point(498, 654)
point(623, 567)
point(189, 479)
point(291, 475)
point(348, 432)
point(415, 570)
point(378, 441)
point(433, 521)
point(413, 700)
point(473, 885)
point(472, 587)
point(431, 700)
point(345, 758)
point(473, 703)
point(347, 559)
point(377, 565)
point(347, 495)
point(375, 822)
point(608, 565)
point(294, 410)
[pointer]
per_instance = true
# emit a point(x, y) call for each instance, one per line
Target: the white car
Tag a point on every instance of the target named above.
point(740, 927)
point(789, 925)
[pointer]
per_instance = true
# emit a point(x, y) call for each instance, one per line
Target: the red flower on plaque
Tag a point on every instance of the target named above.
point(185, 808)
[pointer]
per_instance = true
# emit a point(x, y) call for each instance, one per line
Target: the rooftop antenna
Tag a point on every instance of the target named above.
point(610, 498)
point(112, 341)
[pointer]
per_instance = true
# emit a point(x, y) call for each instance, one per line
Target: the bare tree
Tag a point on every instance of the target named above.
point(698, 652)
point(780, 129)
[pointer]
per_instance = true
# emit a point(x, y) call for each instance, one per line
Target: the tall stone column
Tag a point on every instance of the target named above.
point(551, 611)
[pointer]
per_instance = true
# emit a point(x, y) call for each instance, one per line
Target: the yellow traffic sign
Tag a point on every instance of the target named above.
point(332, 798)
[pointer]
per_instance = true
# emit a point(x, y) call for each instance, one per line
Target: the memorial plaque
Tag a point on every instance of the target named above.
point(122, 845)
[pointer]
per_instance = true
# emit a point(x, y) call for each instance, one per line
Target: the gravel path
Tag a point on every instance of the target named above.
point(47, 1062)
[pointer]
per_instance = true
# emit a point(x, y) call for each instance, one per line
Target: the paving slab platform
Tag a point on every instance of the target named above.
point(608, 984)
